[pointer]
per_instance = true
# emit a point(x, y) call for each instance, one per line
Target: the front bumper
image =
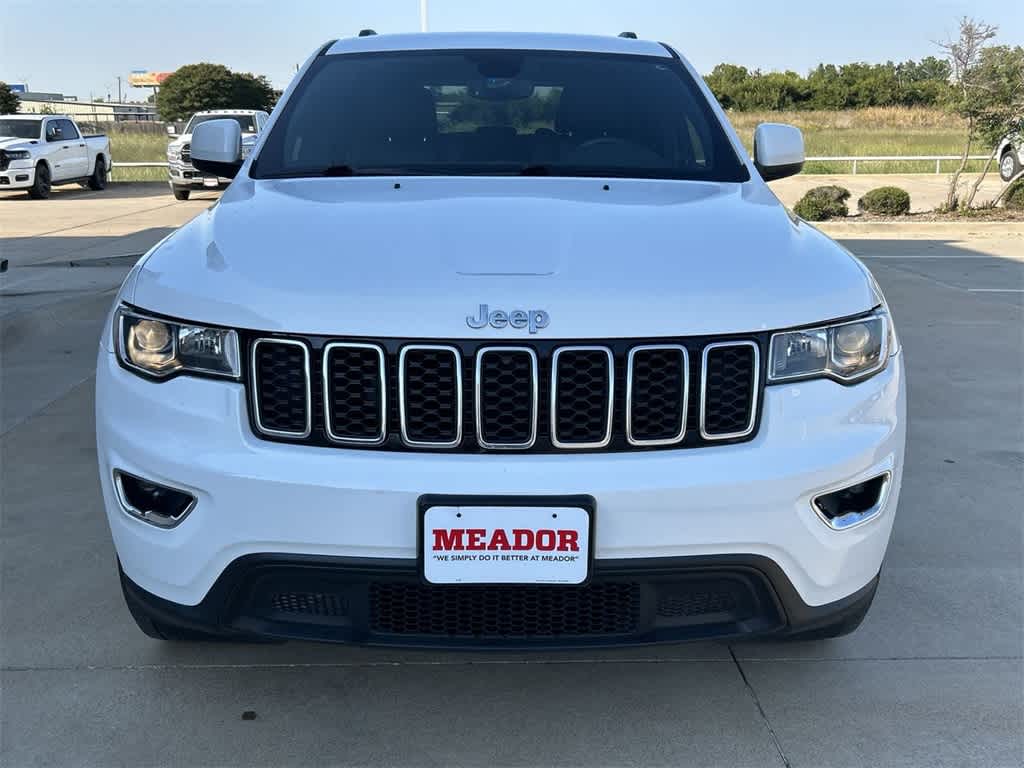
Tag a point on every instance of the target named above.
point(18, 178)
point(257, 497)
point(379, 602)
point(184, 176)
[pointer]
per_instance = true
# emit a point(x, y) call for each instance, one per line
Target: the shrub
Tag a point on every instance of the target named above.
point(887, 201)
point(821, 203)
point(1014, 197)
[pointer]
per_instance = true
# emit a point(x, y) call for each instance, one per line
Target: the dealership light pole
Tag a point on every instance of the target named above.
point(423, 15)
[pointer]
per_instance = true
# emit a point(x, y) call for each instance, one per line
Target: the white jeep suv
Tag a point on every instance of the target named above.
point(499, 340)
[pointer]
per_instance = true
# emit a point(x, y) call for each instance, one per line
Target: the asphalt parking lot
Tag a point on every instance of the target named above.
point(934, 677)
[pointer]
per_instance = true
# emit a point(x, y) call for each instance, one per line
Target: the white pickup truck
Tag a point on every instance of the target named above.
point(181, 176)
point(499, 340)
point(38, 151)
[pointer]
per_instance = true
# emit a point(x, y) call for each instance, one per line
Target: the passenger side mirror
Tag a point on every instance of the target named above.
point(217, 147)
point(778, 150)
point(171, 130)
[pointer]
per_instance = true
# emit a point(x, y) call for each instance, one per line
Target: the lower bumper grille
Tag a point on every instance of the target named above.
point(505, 612)
point(392, 605)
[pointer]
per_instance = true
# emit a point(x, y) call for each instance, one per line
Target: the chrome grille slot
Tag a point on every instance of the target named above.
point(506, 397)
point(281, 394)
point(582, 392)
point(430, 395)
point(355, 394)
point(729, 385)
point(657, 393)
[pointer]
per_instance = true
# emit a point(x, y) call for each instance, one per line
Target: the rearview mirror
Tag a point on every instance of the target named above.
point(778, 150)
point(172, 131)
point(217, 147)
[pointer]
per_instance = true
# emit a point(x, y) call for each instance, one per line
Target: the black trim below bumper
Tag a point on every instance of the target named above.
point(652, 601)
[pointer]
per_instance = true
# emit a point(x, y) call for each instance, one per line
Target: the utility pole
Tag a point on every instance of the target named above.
point(118, 89)
point(423, 15)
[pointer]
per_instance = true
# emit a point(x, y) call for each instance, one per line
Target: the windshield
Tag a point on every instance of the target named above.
point(21, 129)
point(247, 122)
point(498, 112)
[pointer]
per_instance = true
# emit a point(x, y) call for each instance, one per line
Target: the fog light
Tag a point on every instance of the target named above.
point(846, 507)
point(152, 502)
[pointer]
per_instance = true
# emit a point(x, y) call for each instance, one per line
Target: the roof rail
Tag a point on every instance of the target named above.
point(628, 35)
point(367, 32)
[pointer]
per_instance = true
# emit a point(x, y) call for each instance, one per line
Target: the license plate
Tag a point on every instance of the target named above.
point(505, 545)
point(210, 182)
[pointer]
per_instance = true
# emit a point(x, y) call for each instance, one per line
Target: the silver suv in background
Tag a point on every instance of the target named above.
point(181, 176)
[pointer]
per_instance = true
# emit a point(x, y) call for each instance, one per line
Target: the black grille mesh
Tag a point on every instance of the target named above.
point(581, 402)
point(505, 611)
point(355, 398)
point(350, 402)
point(281, 387)
point(431, 395)
point(656, 406)
point(506, 396)
point(729, 391)
point(309, 603)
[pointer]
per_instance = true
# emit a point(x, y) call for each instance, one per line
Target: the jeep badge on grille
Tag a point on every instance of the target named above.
point(533, 319)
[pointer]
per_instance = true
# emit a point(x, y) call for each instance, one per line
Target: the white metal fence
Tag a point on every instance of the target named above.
point(938, 159)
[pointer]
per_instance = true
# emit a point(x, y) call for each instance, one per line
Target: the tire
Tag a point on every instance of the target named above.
point(98, 180)
point(40, 189)
point(1008, 164)
point(181, 194)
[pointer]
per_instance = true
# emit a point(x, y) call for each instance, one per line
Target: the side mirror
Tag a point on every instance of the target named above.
point(217, 147)
point(778, 150)
point(171, 130)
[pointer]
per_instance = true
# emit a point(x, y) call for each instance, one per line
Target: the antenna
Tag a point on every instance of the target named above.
point(366, 33)
point(627, 35)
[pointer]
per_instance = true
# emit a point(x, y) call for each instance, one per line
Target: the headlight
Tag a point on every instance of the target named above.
point(158, 347)
point(173, 154)
point(18, 154)
point(847, 352)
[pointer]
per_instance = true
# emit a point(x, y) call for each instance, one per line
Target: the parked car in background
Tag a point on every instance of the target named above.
point(1011, 157)
point(39, 151)
point(182, 177)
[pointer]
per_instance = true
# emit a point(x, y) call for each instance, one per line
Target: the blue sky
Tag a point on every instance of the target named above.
point(88, 43)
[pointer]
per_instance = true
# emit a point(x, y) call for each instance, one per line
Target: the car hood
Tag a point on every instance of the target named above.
point(414, 257)
point(9, 142)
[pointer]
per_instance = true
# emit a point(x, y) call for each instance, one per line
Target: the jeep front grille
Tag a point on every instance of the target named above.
point(471, 397)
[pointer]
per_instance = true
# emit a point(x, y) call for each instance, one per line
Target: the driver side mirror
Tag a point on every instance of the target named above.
point(778, 150)
point(217, 147)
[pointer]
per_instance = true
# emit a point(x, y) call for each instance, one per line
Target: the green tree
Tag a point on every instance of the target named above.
point(987, 93)
point(196, 87)
point(9, 100)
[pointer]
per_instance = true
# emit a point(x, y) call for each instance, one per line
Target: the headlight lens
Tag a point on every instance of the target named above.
point(847, 352)
point(158, 347)
point(18, 154)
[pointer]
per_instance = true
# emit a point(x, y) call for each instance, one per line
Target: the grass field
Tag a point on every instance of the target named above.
point(875, 131)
